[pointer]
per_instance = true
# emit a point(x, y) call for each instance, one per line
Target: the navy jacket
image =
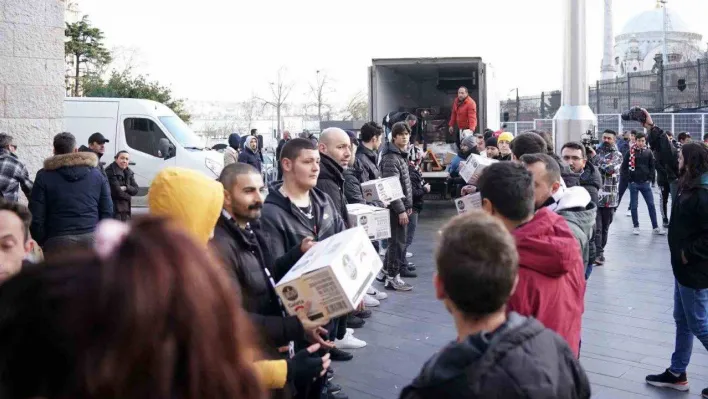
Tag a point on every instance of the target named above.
point(69, 197)
point(249, 156)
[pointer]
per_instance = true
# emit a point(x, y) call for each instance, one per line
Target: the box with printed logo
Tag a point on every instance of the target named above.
point(375, 221)
point(331, 279)
point(385, 190)
point(474, 166)
point(468, 202)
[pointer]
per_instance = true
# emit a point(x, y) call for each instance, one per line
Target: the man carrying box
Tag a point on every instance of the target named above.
point(394, 163)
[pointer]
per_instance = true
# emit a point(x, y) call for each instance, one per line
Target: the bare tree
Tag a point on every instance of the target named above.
point(319, 90)
point(357, 108)
point(280, 90)
point(250, 110)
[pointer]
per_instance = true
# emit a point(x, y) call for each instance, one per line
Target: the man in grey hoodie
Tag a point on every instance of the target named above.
point(573, 204)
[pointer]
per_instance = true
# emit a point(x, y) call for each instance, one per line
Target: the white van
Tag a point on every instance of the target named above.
point(154, 136)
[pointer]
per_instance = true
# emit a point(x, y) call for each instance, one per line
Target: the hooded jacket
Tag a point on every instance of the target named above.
point(521, 359)
point(551, 284)
point(189, 198)
point(608, 160)
point(331, 182)
point(248, 155)
point(244, 252)
point(101, 165)
point(368, 163)
point(231, 152)
point(118, 177)
point(70, 196)
point(285, 226)
point(688, 234)
point(195, 202)
point(644, 168)
point(576, 207)
point(454, 168)
point(464, 114)
point(394, 163)
point(591, 181)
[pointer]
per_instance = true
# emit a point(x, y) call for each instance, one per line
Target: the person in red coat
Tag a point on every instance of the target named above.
point(551, 283)
point(464, 113)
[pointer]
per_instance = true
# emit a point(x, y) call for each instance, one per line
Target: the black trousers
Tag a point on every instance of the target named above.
point(602, 227)
point(623, 184)
point(665, 188)
point(396, 252)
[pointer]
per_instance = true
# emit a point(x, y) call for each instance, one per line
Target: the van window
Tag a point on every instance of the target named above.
point(145, 136)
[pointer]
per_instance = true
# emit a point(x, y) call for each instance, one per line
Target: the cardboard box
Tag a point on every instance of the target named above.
point(385, 190)
point(332, 278)
point(468, 203)
point(473, 167)
point(375, 221)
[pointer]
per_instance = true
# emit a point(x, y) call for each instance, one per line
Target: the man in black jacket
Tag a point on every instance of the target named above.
point(97, 145)
point(575, 155)
point(335, 152)
point(495, 355)
point(420, 188)
point(394, 163)
point(243, 249)
point(368, 152)
point(70, 196)
point(297, 213)
point(640, 164)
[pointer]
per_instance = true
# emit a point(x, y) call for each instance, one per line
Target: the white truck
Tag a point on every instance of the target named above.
point(418, 84)
point(154, 136)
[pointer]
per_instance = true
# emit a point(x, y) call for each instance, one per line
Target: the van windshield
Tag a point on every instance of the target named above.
point(181, 132)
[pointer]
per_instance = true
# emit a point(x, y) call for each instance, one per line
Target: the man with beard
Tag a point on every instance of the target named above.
point(575, 155)
point(297, 213)
point(96, 145)
point(464, 114)
point(608, 160)
point(243, 249)
point(492, 148)
point(573, 204)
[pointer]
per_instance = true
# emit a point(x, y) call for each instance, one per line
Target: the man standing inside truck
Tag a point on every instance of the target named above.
point(464, 114)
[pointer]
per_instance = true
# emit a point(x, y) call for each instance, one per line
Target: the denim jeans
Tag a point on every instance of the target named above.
point(691, 317)
point(645, 189)
point(412, 224)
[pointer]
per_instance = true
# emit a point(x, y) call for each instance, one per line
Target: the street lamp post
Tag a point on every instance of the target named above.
point(574, 118)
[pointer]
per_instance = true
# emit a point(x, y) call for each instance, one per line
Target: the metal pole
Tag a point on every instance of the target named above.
point(518, 105)
point(665, 57)
point(543, 106)
point(700, 89)
point(597, 92)
point(629, 93)
point(574, 118)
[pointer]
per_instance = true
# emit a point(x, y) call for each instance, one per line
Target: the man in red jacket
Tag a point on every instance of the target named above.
point(464, 113)
point(551, 280)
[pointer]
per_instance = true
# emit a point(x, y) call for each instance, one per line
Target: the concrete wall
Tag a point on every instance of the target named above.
point(32, 75)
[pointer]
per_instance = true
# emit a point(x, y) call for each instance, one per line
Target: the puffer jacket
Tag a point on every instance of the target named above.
point(249, 156)
point(121, 199)
point(242, 251)
point(464, 114)
point(394, 163)
point(520, 359)
point(69, 197)
point(608, 160)
point(331, 182)
point(368, 161)
point(352, 184)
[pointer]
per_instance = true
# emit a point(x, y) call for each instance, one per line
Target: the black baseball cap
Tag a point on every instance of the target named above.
point(97, 138)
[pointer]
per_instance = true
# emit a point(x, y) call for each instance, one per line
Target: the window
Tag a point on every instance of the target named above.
point(145, 136)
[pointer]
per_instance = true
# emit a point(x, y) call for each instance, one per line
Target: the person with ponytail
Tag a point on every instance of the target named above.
point(147, 314)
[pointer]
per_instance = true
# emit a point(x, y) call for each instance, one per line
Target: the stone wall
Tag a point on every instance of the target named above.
point(32, 75)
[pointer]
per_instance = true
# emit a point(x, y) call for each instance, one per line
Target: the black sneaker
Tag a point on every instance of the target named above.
point(704, 393)
point(600, 260)
point(339, 355)
point(337, 395)
point(666, 223)
point(333, 388)
point(668, 380)
point(355, 322)
point(362, 314)
point(405, 272)
point(330, 374)
point(411, 266)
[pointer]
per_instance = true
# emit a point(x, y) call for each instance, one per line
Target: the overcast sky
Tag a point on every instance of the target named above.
point(225, 50)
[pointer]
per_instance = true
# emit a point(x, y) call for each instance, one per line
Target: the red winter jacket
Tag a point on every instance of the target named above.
point(551, 276)
point(465, 115)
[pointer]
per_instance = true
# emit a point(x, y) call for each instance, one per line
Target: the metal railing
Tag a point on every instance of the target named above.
point(695, 123)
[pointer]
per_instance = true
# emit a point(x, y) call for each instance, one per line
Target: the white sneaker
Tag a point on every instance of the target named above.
point(659, 231)
point(371, 302)
point(409, 255)
point(635, 231)
point(349, 342)
point(396, 284)
point(350, 331)
point(381, 277)
point(377, 294)
point(629, 213)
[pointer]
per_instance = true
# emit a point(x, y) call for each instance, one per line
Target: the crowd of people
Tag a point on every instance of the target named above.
point(182, 303)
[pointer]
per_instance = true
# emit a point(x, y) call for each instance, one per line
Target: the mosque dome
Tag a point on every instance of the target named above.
point(653, 21)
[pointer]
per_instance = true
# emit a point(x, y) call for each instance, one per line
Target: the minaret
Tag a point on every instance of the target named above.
point(608, 67)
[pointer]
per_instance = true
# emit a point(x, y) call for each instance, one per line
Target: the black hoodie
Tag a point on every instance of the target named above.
point(331, 182)
point(521, 359)
point(285, 226)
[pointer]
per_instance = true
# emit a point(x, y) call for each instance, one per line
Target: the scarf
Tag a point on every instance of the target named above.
point(632, 158)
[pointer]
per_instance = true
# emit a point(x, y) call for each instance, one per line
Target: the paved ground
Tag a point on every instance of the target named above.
point(628, 328)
